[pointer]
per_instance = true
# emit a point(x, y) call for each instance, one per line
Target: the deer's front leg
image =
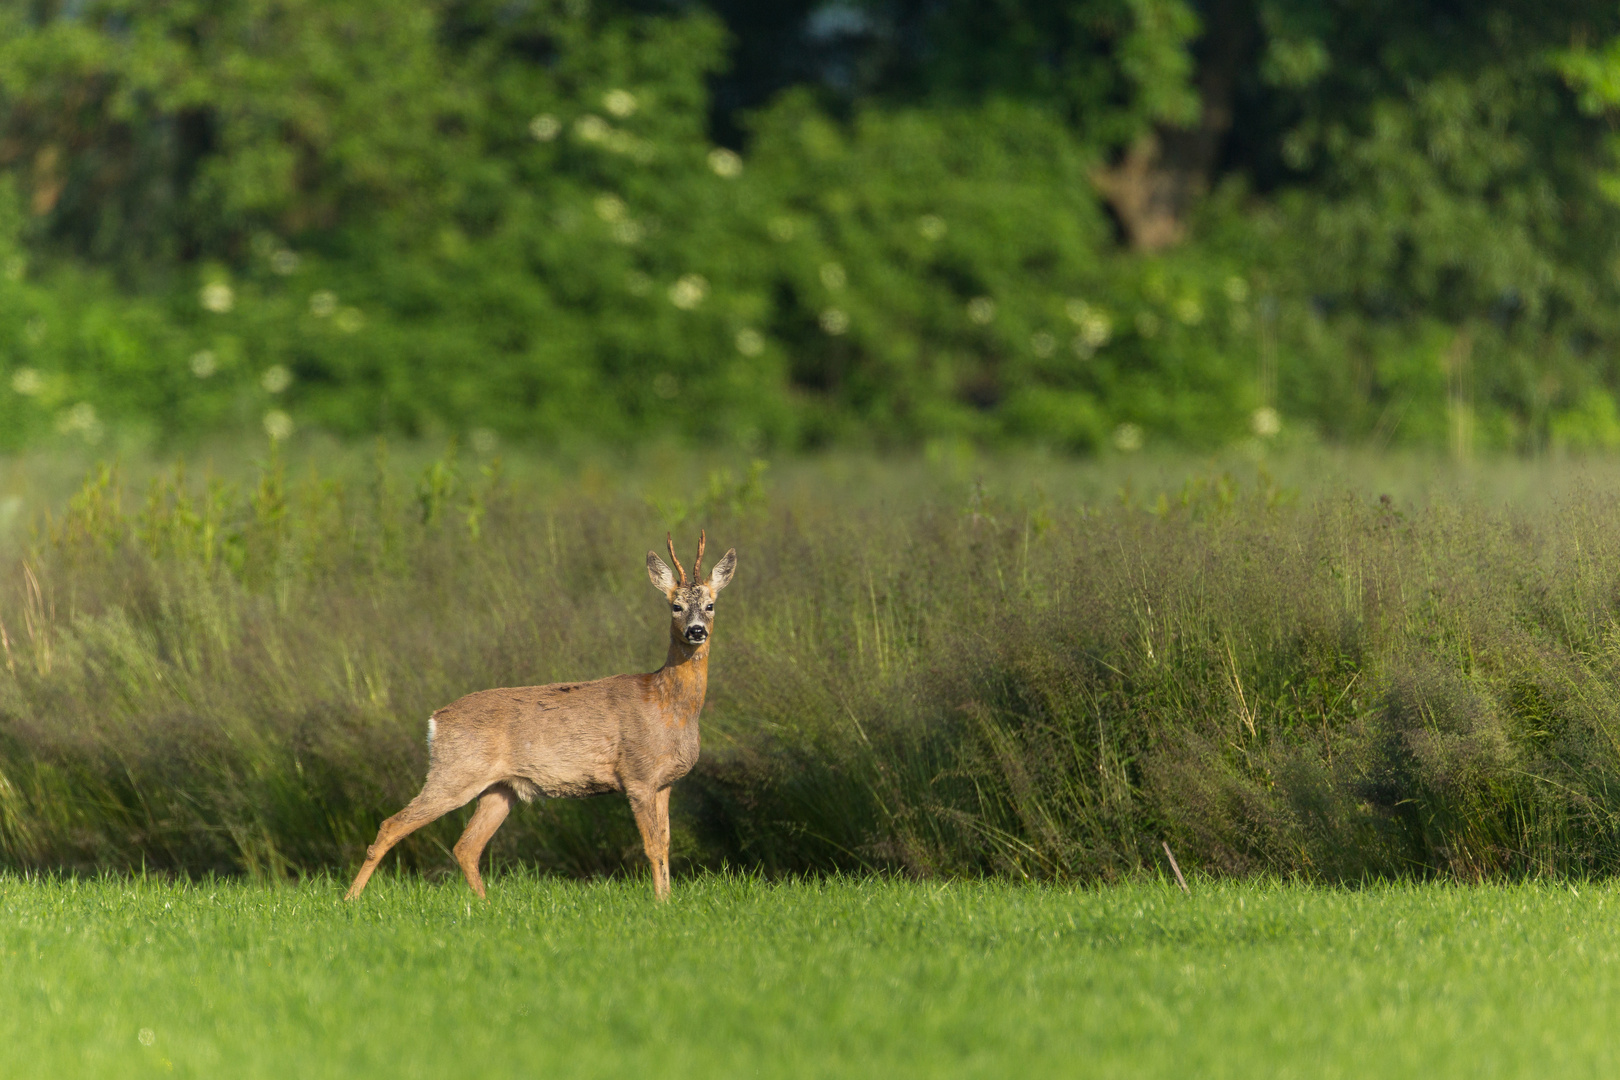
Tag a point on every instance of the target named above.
point(654, 828)
point(663, 835)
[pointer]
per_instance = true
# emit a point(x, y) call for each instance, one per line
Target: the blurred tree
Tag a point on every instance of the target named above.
point(890, 220)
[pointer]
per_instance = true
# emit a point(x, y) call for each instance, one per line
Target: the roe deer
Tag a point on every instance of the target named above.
point(632, 733)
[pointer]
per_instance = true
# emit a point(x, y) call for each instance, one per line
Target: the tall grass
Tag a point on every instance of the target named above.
point(910, 673)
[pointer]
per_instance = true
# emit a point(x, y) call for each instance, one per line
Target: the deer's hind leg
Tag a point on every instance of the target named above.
point(431, 805)
point(493, 807)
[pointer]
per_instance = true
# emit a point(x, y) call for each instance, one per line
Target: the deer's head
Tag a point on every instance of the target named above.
point(691, 604)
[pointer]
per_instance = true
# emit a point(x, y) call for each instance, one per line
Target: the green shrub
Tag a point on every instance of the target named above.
point(449, 218)
point(926, 678)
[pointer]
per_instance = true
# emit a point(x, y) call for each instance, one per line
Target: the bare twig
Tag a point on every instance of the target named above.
point(1179, 879)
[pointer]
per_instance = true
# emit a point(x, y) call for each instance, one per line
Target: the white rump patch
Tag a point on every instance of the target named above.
point(433, 729)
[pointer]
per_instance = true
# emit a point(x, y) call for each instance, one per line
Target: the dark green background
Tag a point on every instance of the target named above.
point(1083, 224)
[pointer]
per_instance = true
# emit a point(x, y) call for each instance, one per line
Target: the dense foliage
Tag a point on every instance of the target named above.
point(1071, 223)
point(909, 674)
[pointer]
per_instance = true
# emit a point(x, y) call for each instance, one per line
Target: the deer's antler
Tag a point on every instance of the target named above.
point(670, 540)
point(697, 563)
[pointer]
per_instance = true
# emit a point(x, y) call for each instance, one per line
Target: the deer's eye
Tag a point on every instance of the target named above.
point(709, 608)
point(674, 607)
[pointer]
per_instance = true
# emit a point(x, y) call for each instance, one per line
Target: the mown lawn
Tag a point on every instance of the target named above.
point(737, 977)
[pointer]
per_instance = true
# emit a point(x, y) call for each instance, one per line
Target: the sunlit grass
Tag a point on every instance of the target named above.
point(837, 978)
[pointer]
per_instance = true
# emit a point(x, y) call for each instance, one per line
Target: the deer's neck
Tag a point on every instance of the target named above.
point(684, 678)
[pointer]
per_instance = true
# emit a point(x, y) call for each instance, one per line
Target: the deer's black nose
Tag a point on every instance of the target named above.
point(696, 633)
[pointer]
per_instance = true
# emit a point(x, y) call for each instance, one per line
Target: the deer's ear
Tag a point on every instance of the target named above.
point(720, 576)
point(663, 578)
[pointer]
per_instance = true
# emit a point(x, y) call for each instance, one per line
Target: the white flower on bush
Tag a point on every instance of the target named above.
point(627, 232)
point(1266, 422)
point(1096, 328)
point(981, 310)
point(1189, 310)
point(545, 127)
point(689, 291)
point(834, 321)
point(725, 163)
point(322, 302)
point(1096, 325)
point(204, 363)
point(610, 208)
point(833, 276)
point(284, 261)
point(931, 227)
point(276, 379)
point(27, 382)
point(593, 129)
point(278, 425)
point(146, 1036)
point(1128, 438)
point(349, 320)
point(750, 342)
point(620, 103)
point(81, 420)
point(217, 296)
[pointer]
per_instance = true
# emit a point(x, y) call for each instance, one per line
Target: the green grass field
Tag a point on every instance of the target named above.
point(871, 977)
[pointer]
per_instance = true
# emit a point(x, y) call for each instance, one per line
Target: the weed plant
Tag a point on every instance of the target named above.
point(911, 674)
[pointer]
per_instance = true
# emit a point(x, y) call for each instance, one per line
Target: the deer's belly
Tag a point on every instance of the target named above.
point(569, 769)
point(562, 785)
point(575, 787)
